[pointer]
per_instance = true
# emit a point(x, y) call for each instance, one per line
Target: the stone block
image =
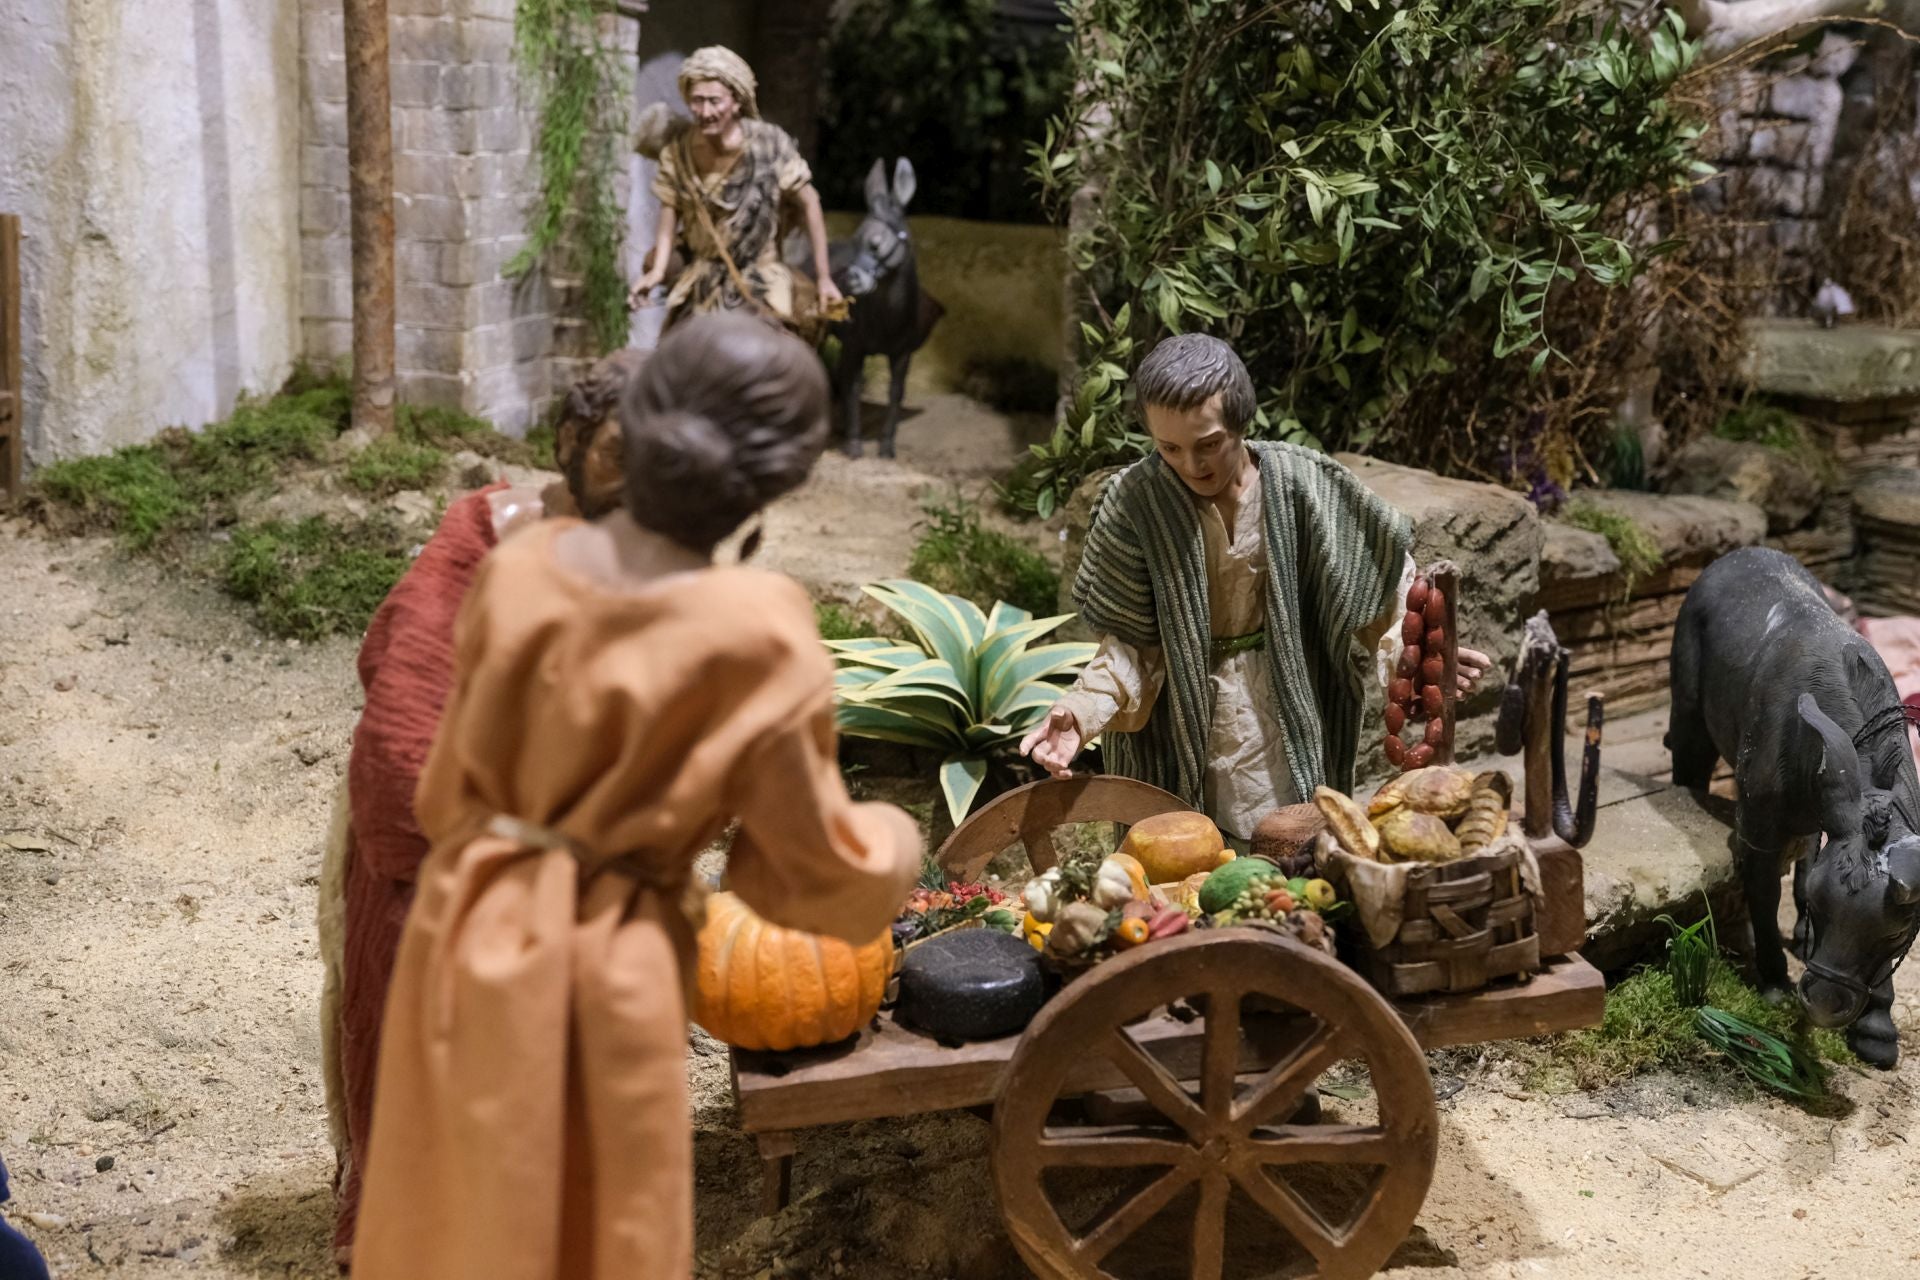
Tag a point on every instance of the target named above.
point(1783, 142)
point(500, 10)
point(487, 40)
point(326, 339)
point(323, 31)
point(1849, 364)
point(432, 305)
point(433, 130)
point(1838, 53)
point(439, 390)
point(1770, 479)
point(323, 212)
point(1805, 97)
point(437, 218)
point(324, 167)
point(1688, 530)
point(1656, 850)
point(323, 79)
point(491, 217)
point(1743, 93)
point(431, 350)
point(326, 254)
point(421, 8)
point(1783, 191)
point(415, 84)
point(326, 124)
point(425, 38)
point(426, 173)
point(472, 262)
point(326, 297)
point(478, 85)
point(516, 384)
point(500, 129)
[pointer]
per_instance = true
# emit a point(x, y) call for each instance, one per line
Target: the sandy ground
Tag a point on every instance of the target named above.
point(164, 780)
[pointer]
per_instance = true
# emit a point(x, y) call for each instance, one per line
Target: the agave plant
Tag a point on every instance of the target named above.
point(971, 687)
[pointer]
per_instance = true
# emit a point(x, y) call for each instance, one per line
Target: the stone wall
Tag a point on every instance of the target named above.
point(152, 152)
point(464, 184)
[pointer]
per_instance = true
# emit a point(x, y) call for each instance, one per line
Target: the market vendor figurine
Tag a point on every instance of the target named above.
point(618, 702)
point(723, 185)
point(1238, 589)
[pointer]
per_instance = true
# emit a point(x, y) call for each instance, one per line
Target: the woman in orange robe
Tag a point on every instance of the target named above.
point(618, 700)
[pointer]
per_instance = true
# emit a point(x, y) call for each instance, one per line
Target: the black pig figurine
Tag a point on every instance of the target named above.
point(1768, 676)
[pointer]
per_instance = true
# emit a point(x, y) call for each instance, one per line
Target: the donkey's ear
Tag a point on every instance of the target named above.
point(1837, 782)
point(904, 183)
point(1903, 870)
point(876, 191)
point(1872, 686)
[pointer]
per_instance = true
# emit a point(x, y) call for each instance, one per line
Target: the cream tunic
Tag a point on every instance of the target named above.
point(1247, 772)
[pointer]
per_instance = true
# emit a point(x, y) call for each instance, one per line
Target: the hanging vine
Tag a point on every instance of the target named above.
point(575, 80)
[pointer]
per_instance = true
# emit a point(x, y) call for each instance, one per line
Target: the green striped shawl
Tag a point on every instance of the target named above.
point(1334, 557)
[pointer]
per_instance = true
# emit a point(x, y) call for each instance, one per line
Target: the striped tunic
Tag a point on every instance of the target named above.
point(1334, 556)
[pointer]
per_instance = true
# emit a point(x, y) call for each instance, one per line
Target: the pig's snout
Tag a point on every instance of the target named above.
point(1828, 1004)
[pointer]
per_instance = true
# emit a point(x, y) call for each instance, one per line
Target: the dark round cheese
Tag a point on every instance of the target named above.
point(977, 984)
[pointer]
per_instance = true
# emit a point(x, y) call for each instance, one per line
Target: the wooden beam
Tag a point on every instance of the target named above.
point(13, 410)
point(370, 190)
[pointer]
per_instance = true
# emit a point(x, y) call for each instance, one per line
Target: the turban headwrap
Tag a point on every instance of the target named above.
point(716, 62)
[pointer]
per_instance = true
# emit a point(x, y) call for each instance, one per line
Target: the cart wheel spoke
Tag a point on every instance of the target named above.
point(1116, 1148)
point(1161, 1089)
point(1041, 855)
point(1134, 1214)
point(1220, 1060)
point(1288, 1080)
point(1210, 1225)
point(1289, 1210)
point(1321, 1144)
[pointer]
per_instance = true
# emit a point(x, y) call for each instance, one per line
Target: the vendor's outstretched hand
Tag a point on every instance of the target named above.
point(1470, 665)
point(1054, 742)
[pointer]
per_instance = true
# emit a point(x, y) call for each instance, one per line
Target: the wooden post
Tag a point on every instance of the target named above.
point(13, 411)
point(1539, 655)
point(370, 186)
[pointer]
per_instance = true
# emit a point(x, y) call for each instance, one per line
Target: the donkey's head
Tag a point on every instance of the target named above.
point(881, 245)
point(1862, 890)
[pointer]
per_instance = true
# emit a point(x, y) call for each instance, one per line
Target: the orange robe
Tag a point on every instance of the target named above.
point(530, 1119)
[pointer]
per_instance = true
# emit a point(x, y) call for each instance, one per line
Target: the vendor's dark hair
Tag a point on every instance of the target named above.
point(582, 428)
point(1182, 372)
point(728, 414)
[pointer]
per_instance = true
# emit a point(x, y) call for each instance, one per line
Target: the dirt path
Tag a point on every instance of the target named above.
point(164, 781)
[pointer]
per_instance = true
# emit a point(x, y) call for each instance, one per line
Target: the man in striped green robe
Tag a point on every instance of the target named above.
point(1242, 591)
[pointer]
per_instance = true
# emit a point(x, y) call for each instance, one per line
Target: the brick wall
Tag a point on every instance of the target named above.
point(464, 183)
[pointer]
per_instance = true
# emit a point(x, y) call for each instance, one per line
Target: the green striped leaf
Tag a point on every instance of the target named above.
point(1005, 615)
point(960, 781)
point(1016, 671)
point(1002, 644)
point(887, 724)
point(942, 628)
point(890, 654)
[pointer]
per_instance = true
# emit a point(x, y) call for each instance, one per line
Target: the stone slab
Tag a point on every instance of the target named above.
point(1846, 364)
point(1657, 849)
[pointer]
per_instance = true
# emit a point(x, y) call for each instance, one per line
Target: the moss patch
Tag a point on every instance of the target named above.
point(315, 577)
point(1646, 1029)
point(306, 578)
point(1632, 545)
point(957, 555)
point(836, 622)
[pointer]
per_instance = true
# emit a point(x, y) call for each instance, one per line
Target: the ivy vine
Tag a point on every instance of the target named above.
point(575, 79)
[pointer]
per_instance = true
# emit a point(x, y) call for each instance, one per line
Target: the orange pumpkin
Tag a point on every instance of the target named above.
point(763, 987)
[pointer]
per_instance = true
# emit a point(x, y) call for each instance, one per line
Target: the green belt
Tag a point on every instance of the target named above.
point(1225, 647)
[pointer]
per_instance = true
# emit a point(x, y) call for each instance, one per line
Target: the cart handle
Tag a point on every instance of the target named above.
point(1029, 815)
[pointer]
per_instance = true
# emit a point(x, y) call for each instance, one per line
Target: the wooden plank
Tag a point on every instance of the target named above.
point(1562, 923)
point(890, 1071)
point(12, 393)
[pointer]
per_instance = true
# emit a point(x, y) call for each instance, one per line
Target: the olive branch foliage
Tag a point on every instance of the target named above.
point(574, 78)
point(1353, 193)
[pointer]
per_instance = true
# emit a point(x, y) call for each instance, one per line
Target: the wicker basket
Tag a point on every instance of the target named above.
point(1466, 923)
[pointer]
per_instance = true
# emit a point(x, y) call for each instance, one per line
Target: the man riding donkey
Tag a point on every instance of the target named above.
point(724, 184)
point(1238, 588)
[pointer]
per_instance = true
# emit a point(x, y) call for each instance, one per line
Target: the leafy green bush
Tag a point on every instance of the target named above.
point(390, 465)
point(836, 622)
point(967, 684)
point(1357, 194)
point(1631, 544)
point(956, 555)
point(1757, 422)
point(946, 84)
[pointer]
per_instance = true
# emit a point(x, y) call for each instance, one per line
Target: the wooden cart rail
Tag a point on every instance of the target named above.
point(891, 1071)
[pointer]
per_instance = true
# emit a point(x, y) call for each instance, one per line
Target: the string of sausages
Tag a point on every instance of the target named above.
point(1415, 695)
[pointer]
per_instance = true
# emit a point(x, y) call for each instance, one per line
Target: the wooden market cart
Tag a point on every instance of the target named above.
point(1193, 1055)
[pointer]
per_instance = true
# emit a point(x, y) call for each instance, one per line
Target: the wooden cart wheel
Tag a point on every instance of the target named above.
point(1220, 1135)
point(1029, 815)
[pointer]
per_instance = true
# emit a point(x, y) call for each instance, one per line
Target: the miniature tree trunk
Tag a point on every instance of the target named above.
point(370, 193)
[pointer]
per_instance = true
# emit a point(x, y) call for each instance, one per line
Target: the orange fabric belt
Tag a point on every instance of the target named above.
point(690, 890)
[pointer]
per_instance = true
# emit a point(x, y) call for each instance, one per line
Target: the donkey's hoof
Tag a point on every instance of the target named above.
point(886, 449)
point(851, 448)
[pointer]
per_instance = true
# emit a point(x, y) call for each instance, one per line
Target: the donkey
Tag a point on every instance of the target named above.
point(892, 316)
point(1768, 676)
